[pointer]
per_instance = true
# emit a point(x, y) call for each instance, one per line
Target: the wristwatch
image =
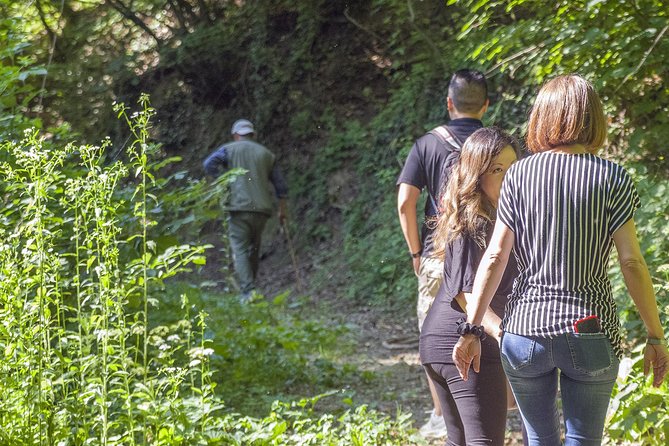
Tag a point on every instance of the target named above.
point(417, 254)
point(656, 341)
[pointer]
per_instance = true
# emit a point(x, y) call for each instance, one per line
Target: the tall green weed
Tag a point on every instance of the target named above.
point(80, 362)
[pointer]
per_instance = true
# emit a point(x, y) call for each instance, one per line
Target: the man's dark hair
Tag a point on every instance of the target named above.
point(468, 90)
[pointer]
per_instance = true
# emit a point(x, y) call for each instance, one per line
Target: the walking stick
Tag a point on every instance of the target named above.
point(284, 229)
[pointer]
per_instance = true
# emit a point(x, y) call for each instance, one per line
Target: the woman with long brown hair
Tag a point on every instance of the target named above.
point(475, 410)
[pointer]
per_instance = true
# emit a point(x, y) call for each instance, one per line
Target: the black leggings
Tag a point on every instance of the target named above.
point(474, 410)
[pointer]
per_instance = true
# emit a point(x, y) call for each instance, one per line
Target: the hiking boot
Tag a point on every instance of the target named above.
point(246, 297)
point(434, 428)
point(249, 296)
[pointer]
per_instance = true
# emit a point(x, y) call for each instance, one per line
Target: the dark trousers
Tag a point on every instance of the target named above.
point(245, 233)
point(474, 410)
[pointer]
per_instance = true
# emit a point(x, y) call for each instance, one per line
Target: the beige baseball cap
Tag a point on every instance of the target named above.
point(242, 127)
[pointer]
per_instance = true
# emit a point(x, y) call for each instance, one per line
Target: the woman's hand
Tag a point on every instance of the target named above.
point(466, 352)
point(416, 266)
point(655, 357)
point(491, 322)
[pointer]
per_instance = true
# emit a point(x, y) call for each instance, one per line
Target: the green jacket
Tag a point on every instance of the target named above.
point(250, 192)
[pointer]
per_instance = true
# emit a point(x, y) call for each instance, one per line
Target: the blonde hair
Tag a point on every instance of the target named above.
point(463, 207)
point(567, 111)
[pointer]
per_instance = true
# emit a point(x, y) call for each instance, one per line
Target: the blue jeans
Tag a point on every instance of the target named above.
point(587, 369)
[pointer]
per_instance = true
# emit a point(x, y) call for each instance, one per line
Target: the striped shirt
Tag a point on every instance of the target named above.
point(563, 210)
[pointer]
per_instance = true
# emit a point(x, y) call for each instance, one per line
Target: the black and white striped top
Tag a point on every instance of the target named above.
point(563, 210)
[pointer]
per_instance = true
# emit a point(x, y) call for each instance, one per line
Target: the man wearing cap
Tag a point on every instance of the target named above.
point(250, 203)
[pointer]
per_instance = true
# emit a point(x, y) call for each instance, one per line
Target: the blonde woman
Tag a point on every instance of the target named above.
point(561, 211)
point(474, 410)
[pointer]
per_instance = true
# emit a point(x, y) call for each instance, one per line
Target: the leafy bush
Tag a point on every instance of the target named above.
point(641, 411)
point(342, 88)
point(620, 47)
point(18, 67)
point(265, 349)
point(297, 424)
point(80, 362)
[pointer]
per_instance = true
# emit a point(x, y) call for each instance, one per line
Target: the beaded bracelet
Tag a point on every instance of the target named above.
point(465, 328)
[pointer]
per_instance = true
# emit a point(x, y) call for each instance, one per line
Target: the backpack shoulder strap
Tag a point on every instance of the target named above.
point(445, 136)
point(451, 143)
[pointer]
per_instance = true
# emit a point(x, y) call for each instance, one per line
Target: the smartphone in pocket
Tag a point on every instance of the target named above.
point(588, 324)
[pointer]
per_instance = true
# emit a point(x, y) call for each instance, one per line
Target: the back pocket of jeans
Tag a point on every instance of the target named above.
point(591, 353)
point(517, 350)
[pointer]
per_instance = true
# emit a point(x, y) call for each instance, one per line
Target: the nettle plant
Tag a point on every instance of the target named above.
point(79, 360)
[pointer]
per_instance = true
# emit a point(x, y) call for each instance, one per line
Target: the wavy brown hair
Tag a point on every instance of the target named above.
point(464, 208)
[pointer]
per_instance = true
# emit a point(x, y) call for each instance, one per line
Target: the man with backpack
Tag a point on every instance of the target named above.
point(427, 167)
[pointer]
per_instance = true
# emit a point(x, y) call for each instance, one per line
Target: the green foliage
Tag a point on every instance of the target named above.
point(375, 249)
point(18, 67)
point(642, 412)
point(79, 361)
point(340, 90)
point(620, 47)
point(87, 359)
point(652, 221)
point(271, 63)
point(266, 349)
point(297, 423)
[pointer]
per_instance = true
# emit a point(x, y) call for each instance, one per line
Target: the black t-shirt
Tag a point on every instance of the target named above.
point(439, 333)
point(426, 164)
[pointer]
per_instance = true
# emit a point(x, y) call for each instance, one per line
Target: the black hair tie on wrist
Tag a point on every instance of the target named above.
point(465, 328)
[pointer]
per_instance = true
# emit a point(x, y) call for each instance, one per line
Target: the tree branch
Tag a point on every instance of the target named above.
point(437, 54)
point(367, 30)
point(42, 17)
point(180, 16)
point(204, 12)
point(520, 53)
point(126, 12)
point(645, 56)
point(52, 50)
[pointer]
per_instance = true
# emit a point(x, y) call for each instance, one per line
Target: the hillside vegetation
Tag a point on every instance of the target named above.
point(106, 239)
